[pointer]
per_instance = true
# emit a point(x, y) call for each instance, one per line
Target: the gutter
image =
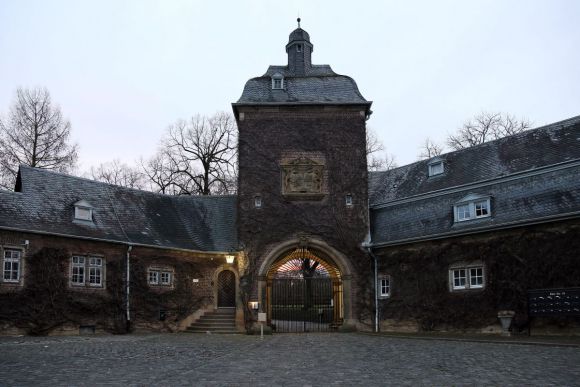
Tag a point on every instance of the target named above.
point(375, 260)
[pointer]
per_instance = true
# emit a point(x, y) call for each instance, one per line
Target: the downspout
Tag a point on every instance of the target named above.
point(369, 251)
point(128, 287)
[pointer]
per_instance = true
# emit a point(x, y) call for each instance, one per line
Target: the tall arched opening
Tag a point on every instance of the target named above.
point(304, 292)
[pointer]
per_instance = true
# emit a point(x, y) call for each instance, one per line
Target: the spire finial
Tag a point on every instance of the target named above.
point(298, 20)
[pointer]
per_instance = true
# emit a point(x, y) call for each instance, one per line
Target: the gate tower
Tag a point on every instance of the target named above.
point(302, 192)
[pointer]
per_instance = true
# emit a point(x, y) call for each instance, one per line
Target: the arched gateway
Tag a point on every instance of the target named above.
point(304, 293)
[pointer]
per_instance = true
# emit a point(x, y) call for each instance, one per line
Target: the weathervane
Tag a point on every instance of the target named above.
point(298, 20)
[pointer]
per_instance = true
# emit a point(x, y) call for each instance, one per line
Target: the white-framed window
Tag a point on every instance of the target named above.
point(95, 271)
point(348, 200)
point(258, 201)
point(83, 211)
point(472, 207)
point(277, 81)
point(165, 278)
point(87, 271)
point(467, 277)
point(11, 265)
point(160, 277)
point(436, 167)
point(385, 286)
point(153, 277)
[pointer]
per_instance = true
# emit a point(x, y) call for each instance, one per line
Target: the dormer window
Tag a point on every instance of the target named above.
point(83, 211)
point(436, 167)
point(277, 81)
point(472, 207)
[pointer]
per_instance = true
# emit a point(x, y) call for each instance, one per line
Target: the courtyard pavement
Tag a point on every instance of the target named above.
point(284, 359)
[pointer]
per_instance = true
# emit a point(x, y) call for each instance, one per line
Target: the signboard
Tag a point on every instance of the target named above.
point(262, 317)
point(554, 302)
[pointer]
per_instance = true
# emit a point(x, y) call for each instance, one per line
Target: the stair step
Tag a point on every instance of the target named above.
point(206, 325)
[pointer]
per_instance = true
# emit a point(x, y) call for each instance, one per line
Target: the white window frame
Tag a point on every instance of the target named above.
point(471, 203)
point(83, 211)
point(275, 79)
point(153, 277)
point(160, 277)
point(257, 201)
point(384, 283)
point(468, 273)
point(436, 168)
point(87, 271)
point(12, 257)
point(165, 278)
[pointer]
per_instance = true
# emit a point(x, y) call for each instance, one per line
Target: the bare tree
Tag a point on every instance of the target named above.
point(430, 149)
point(486, 127)
point(198, 157)
point(118, 173)
point(35, 134)
point(377, 158)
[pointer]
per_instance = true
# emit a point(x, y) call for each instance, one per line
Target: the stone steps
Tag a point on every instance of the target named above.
point(220, 321)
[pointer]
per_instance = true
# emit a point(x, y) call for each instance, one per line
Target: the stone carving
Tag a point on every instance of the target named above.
point(302, 176)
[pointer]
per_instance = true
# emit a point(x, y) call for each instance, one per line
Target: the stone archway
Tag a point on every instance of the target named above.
point(305, 285)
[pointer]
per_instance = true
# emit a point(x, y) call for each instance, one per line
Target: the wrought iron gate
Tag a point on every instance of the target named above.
point(226, 289)
point(302, 304)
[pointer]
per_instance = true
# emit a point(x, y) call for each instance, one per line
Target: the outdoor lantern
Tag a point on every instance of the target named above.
point(253, 305)
point(230, 259)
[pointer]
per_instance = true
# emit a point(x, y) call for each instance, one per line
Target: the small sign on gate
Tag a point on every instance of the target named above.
point(261, 317)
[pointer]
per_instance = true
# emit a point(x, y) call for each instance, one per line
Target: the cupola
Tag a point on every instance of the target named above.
point(299, 51)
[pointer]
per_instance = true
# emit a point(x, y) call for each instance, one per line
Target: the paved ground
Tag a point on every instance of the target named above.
point(283, 359)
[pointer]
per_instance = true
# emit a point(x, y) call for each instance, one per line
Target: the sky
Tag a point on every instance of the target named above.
point(123, 71)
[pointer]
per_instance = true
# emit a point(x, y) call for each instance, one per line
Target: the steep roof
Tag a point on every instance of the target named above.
point(532, 149)
point(304, 83)
point(46, 201)
point(530, 177)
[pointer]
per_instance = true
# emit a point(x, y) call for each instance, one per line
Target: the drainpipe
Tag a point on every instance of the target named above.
point(376, 288)
point(128, 287)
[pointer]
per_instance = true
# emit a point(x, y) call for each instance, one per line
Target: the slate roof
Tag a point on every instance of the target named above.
point(530, 177)
point(532, 149)
point(315, 84)
point(46, 200)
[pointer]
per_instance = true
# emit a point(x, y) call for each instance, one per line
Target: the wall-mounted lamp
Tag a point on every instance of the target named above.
point(230, 259)
point(253, 305)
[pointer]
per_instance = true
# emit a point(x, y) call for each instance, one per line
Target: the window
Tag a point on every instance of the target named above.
point(385, 286)
point(277, 81)
point(466, 277)
point(81, 266)
point(163, 277)
point(348, 200)
point(258, 201)
point(83, 211)
point(153, 277)
point(472, 207)
point(298, 48)
point(436, 167)
point(11, 265)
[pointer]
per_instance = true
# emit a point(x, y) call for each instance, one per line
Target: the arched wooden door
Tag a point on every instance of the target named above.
point(226, 289)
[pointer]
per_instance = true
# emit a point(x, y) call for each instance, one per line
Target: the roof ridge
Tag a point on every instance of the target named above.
point(554, 125)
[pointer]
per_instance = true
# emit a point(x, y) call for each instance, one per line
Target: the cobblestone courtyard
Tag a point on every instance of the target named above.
point(293, 359)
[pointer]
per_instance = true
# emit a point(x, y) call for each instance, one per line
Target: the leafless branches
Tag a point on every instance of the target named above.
point(377, 158)
point(119, 174)
point(486, 127)
point(430, 149)
point(197, 157)
point(36, 134)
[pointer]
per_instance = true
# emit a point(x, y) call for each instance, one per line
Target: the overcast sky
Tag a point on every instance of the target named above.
point(122, 71)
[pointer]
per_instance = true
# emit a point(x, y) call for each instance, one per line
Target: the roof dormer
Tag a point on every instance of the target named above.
point(83, 211)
